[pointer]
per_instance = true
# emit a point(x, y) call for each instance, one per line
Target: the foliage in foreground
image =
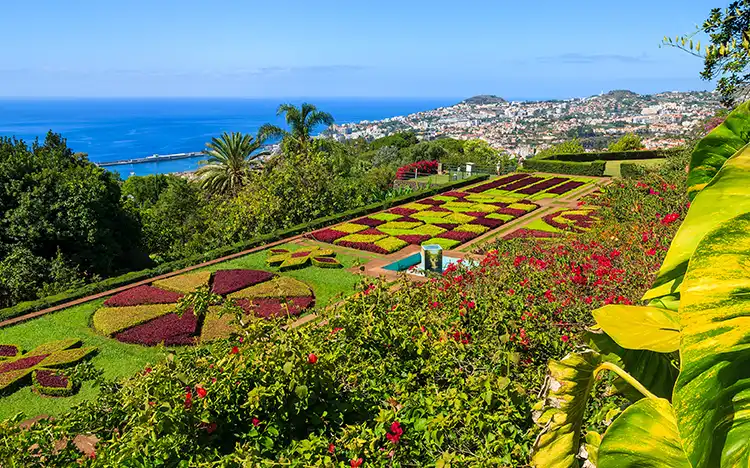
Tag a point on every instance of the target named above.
point(444, 372)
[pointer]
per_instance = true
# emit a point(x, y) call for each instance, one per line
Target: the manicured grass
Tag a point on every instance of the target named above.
point(115, 359)
point(613, 167)
point(434, 179)
point(118, 359)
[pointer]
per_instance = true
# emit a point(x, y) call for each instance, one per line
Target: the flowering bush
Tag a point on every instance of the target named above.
point(420, 167)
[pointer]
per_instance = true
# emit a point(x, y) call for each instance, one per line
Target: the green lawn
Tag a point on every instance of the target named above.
point(434, 179)
point(613, 167)
point(119, 359)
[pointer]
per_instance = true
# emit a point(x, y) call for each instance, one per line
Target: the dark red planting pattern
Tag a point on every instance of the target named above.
point(229, 281)
point(438, 209)
point(565, 188)
point(488, 222)
point(529, 233)
point(279, 251)
point(477, 214)
point(406, 219)
point(371, 232)
point(8, 350)
point(550, 219)
point(511, 211)
point(543, 185)
point(51, 379)
point(372, 222)
point(448, 226)
point(402, 211)
point(141, 295)
point(170, 329)
point(301, 253)
point(461, 236)
point(23, 363)
point(267, 307)
point(414, 239)
point(497, 183)
point(363, 246)
point(455, 193)
point(327, 235)
point(521, 183)
point(326, 260)
point(431, 201)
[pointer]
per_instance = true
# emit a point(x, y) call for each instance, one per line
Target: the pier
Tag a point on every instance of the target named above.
point(153, 158)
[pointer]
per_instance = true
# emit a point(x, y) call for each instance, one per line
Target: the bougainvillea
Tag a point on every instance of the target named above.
point(41, 364)
point(419, 168)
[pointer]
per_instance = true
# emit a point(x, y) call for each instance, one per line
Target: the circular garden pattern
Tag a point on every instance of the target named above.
point(146, 314)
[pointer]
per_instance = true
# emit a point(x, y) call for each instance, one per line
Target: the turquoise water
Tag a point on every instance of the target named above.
point(115, 129)
point(414, 264)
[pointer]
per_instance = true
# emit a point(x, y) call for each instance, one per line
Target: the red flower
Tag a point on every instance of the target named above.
point(511, 292)
point(651, 252)
point(356, 463)
point(670, 218)
point(210, 428)
point(470, 305)
point(234, 350)
point(336, 330)
point(188, 399)
point(201, 392)
point(331, 448)
point(147, 370)
point(256, 422)
point(565, 338)
point(312, 358)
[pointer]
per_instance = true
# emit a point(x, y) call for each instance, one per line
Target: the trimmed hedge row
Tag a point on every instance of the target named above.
point(595, 168)
point(133, 276)
point(612, 155)
point(631, 171)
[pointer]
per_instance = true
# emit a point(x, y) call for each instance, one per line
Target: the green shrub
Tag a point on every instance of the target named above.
point(614, 155)
point(595, 168)
point(631, 170)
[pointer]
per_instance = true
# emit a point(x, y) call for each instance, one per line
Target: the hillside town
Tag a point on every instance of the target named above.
point(522, 128)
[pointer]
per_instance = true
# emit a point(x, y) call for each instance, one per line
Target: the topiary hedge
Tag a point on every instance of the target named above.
point(631, 170)
point(611, 155)
point(595, 168)
point(133, 276)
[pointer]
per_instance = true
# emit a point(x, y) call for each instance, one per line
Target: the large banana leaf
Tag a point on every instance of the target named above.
point(726, 196)
point(567, 389)
point(645, 435)
point(714, 149)
point(654, 370)
point(712, 394)
point(638, 327)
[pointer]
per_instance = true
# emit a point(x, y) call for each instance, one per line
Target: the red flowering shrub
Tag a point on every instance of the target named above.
point(420, 167)
point(141, 295)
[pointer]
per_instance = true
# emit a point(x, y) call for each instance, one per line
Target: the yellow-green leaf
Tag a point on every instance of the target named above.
point(712, 394)
point(644, 436)
point(726, 196)
point(638, 327)
point(567, 389)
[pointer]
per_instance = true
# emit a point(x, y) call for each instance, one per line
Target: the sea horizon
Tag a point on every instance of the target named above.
point(113, 129)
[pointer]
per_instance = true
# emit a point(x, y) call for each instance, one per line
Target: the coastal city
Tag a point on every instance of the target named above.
point(523, 128)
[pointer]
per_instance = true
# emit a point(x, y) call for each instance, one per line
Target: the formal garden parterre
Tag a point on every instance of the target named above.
point(451, 218)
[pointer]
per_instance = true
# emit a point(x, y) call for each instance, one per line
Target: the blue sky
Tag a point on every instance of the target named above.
point(327, 48)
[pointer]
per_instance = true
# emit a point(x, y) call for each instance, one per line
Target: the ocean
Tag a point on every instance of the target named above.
point(116, 129)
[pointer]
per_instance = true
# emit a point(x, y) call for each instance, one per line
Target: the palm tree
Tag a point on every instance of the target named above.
point(230, 159)
point(301, 121)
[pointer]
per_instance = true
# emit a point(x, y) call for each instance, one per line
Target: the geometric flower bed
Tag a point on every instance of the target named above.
point(142, 315)
point(287, 260)
point(41, 363)
point(557, 223)
point(449, 219)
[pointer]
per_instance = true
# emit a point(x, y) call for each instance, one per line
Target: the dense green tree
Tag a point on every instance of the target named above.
point(145, 190)
point(230, 159)
point(628, 142)
point(727, 54)
point(398, 140)
point(480, 152)
point(566, 147)
point(302, 122)
point(54, 203)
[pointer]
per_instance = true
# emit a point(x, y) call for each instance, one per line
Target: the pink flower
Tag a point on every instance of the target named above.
point(651, 252)
point(396, 431)
point(256, 422)
point(565, 338)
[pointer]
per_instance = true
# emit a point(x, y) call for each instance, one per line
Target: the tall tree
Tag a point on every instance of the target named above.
point(301, 122)
point(727, 55)
point(230, 159)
